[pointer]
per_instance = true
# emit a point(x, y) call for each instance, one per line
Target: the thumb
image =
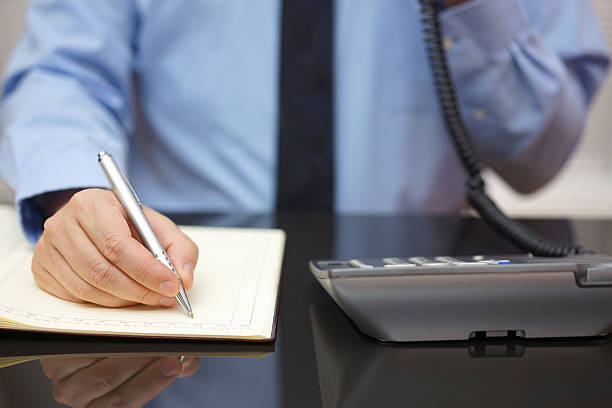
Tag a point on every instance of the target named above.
point(181, 250)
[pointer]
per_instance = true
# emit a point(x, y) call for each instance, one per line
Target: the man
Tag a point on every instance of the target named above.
point(208, 81)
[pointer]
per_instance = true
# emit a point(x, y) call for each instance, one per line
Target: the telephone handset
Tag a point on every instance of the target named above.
point(555, 290)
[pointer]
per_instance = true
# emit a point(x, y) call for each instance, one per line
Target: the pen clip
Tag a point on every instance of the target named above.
point(135, 195)
point(131, 189)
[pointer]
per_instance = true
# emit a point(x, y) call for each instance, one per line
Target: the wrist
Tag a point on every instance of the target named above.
point(49, 203)
point(452, 3)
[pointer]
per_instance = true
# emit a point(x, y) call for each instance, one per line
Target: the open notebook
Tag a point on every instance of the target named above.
point(234, 294)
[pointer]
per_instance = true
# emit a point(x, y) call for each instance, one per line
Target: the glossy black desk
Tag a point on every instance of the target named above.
point(319, 359)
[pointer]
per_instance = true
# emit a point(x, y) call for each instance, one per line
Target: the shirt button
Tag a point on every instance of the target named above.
point(448, 43)
point(480, 114)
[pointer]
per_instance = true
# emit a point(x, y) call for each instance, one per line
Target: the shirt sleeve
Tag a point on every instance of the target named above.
point(525, 73)
point(67, 95)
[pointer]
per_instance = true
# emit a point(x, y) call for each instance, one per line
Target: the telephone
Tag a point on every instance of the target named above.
point(554, 290)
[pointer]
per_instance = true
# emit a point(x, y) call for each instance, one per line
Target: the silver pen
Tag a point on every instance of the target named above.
point(131, 203)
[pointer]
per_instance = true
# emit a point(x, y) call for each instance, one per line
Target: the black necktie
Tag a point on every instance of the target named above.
point(305, 172)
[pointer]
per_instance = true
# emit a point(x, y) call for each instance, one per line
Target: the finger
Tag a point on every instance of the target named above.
point(181, 250)
point(49, 284)
point(78, 287)
point(98, 379)
point(58, 231)
point(109, 231)
point(57, 369)
point(43, 278)
point(190, 366)
point(85, 259)
point(144, 386)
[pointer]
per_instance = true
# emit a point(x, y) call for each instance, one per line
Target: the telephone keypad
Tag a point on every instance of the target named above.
point(423, 262)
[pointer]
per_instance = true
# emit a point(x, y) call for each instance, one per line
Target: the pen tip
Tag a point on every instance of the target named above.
point(191, 314)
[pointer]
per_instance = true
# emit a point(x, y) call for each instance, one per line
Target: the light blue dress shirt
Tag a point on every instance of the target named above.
point(207, 80)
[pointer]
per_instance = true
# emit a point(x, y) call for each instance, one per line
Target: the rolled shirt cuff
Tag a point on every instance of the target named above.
point(475, 30)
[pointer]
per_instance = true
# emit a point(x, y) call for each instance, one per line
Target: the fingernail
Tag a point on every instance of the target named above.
point(170, 367)
point(168, 288)
point(188, 270)
point(167, 301)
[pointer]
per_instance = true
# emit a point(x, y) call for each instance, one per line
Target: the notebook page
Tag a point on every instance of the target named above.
point(234, 293)
point(11, 237)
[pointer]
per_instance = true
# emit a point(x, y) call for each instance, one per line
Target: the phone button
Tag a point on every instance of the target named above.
point(446, 259)
point(401, 265)
point(356, 263)
point(392, 261)
point(419, 260)
point(598, 275)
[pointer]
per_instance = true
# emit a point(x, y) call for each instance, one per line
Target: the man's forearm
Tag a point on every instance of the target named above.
point(523, 83)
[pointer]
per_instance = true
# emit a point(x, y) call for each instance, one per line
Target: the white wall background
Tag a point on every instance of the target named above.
point(11, 27)
point(583, 189)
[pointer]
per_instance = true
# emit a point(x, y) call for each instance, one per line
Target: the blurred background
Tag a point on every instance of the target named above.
point(582, 190)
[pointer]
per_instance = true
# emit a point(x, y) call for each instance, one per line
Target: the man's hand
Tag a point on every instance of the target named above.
point(89, 252)
point(114, 381)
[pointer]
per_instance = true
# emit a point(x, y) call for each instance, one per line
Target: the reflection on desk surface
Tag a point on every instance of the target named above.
point(114, 381)
point(135, 381)
point(356, 371)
